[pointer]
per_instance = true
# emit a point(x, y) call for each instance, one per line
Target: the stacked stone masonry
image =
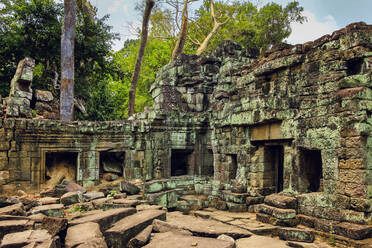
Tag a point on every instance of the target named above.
point(295, 120)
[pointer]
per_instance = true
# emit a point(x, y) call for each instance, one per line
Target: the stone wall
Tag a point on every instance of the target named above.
point(296, 119)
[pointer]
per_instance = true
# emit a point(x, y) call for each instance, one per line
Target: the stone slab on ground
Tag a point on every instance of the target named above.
point(11, 226)
point(141, 239)
point(173, 240)
point(205, 227)
point(106, 218)
point(72, 198)
point(52, 210)
point(88, 234)
point(21, 239)
point(149, 207)
point(129, 188)
point(49, 200)
point(260, 242)
point(163, 226)
point(122, 231)
point(15, 209)
point(92, 195)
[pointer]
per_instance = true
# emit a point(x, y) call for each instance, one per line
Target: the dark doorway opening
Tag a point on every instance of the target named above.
point(208, 167)
point(233, 165)
point(273, 168)
point(180, 162)
point(311, 174)
point(60, 166)
point(111, 162)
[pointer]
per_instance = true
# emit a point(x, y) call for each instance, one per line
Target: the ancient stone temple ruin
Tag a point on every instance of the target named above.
point(235, 128)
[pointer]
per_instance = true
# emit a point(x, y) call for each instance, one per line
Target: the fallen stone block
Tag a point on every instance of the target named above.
point(53, 210)
point(52, 243)
point(88, 234)
point(72, 198)
point(53, 225)
point(301, 245)
point(49, 200)
point(106, 218)
point(129, 188)
point(281, 201)
point(167, 199)
point(173, 240)
point(149, 207)
point(93, 195)
point(295, 234)
point(123, 230)
point(353, 231)
point(21, 239)
point(11, 226)
point(141, 239)
point(15, 209)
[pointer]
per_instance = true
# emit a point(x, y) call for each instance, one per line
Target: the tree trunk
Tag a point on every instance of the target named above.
point(183, 32)
point(205, 42)
point(137, 69)
point(67, 61)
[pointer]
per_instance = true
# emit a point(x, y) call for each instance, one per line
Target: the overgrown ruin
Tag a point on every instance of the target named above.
point(233, 127)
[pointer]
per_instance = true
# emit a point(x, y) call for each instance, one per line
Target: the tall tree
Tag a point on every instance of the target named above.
point(137, 69)
point(67, 61)
point(182, 36)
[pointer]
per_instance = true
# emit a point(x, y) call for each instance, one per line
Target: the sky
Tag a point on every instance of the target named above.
point(324, 17)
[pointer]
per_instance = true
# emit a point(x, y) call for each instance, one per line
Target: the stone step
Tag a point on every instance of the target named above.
point(239, 198)
point(122, 231)
point(88, 234)
point(281, 201)
point(265, 218)
point(345, 229)
point(279, 213)
point(106, 218)
point(236, 207)
point(296, 234)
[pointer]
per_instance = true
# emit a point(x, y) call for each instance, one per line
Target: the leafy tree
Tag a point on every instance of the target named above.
point(33, 28)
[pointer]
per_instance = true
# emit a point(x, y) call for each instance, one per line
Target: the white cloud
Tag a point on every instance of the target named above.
point(312, 29)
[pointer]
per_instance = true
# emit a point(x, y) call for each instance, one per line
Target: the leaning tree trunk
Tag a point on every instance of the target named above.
point(137, 69)
point(67, 61)
point(183, 33)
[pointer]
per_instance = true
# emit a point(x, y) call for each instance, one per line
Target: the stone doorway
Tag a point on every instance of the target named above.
point(273, 168)
point(180, 162)
point(60, 166)
point(311, 175)
point(111, 164)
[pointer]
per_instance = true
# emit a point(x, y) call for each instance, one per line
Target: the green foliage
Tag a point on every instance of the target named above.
point(77, 208)
point(157, 55)
point(246, 24)
point(33, 29)
point(112, 193)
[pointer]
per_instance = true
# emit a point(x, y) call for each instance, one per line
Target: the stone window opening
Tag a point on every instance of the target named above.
point(180, 162)
point(354, 66)
point(111, 164)
point(273, 168)
point(60, 166)
point(311, 176)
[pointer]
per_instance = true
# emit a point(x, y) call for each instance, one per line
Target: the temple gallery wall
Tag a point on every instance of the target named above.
point(233, 126)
